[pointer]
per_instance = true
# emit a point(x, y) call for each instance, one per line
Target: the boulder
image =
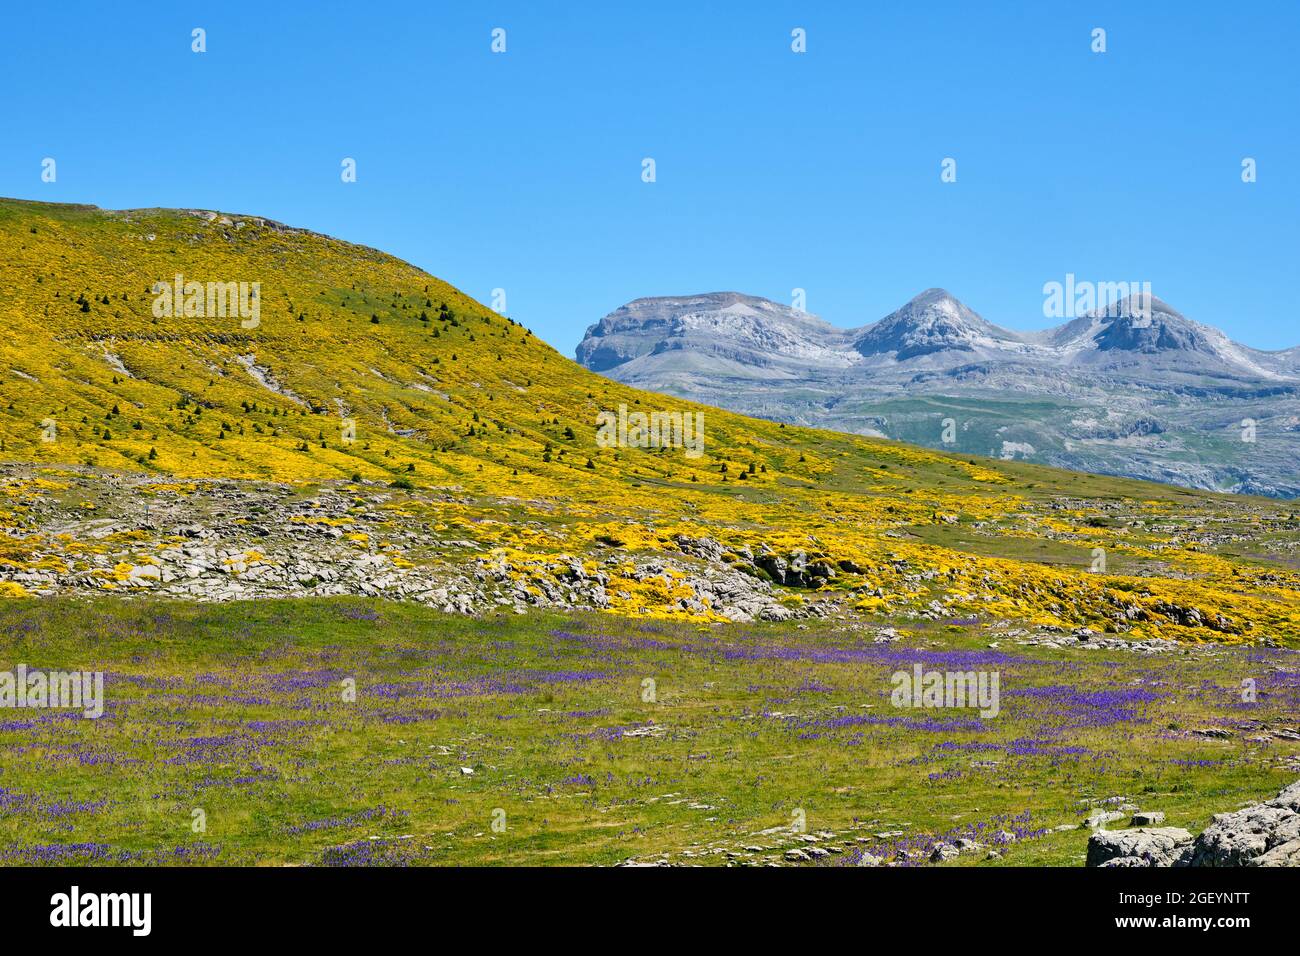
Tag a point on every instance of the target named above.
point(943, 851)
point(1262, 834)
point(1246, 837)
point(1145, 846)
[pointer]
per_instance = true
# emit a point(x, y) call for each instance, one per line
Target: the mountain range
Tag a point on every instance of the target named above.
point(1134, 389)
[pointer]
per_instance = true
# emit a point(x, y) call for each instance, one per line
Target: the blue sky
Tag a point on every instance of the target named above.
point(775, 170)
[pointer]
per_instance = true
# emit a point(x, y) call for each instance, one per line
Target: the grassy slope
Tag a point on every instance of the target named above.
point(470, 400)
point(316, 336)
point(747, 726)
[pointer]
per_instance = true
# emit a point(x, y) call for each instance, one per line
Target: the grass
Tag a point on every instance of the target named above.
point(238, 711)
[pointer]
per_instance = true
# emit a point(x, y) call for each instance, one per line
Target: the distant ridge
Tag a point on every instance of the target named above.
point(1133, 388)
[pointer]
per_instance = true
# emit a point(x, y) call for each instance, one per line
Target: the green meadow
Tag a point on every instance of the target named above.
point(354, 732)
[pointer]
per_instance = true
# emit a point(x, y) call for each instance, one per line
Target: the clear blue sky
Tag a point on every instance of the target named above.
point(775, 170)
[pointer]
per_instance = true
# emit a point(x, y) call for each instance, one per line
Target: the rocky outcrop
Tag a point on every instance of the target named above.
point(1263, 834)
point(1145, 846)
point(213, 541)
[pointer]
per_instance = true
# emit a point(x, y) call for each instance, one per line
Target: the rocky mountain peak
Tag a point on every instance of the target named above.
point(1146, 325)
point(725, 325)
point(931, 322)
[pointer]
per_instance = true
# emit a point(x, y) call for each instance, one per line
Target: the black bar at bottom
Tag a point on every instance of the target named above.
point(302, 905)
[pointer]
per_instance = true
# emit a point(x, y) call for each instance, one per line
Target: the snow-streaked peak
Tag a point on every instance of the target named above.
point(1144, 324)
point(729, 325)
point(934, 321)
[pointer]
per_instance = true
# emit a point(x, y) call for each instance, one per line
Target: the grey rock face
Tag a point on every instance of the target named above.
point(1263, 834)
point(1146, 846)
point(1286, 854)
point(1137, 390)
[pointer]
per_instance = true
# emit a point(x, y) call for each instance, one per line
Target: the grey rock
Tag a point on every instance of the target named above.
point(1262, 834)
point(1157, 846)
point(1099, 818)
point(942, 852)
point(1284, 854)
point(1148, 818)
point(1245, 837)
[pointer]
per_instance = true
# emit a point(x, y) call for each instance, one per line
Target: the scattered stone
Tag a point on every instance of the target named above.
point(942, 852)
point(1099, 818)
point(1148, 818)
